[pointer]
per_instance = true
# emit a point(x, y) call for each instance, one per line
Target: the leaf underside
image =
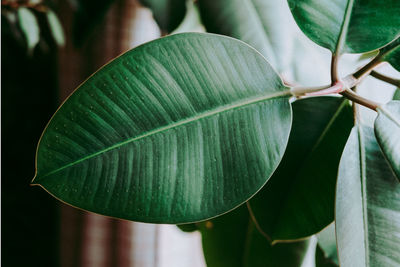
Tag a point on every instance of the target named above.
point(178, 130)
point(387, 130)
point(367, 205)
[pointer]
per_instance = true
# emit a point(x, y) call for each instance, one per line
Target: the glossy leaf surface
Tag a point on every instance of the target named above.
point(167, 13)
point(232, 240)
point(367, 205)
point(298, 201)
point(178, 130)
point(391, 53)
point(387, 130)
point(348, 26)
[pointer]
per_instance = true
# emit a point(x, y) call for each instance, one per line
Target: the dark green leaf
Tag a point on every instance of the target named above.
point(367, 205)
point(348, 26)
point(189, 227)
point(387, 130)
point(168, 13)
point(298, 201)
point(232, 240)
point(391, 53)
point(178, 130)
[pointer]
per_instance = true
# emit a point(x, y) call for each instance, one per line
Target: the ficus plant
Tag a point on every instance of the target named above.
point(200, 130)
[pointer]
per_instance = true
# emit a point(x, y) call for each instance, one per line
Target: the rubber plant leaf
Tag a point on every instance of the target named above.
point(298, 201)
point(232, 240)
point(348, 26)
point(387, 130)
point(391, 53)
point(367, 205)
point(177, 130)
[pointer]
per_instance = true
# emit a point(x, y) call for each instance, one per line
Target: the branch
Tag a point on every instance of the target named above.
point(349, 94)
point(379, 76)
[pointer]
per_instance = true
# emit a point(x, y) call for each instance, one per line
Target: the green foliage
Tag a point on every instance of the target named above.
point(232, 240)
point(348, 26)
point(387, 130)
point(367, 204)
point(307, 173)
point(157, 137)
point(191, 126)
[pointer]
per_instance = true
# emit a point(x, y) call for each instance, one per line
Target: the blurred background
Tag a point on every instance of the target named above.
point(48, 48)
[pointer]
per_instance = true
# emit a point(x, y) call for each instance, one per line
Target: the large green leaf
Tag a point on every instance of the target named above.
point(168, 13)
point(348, 26)
point(298, 201)
point(232, 240)
point(367, 205)
point(387, 130)
point(391, 53)
point(177, 130)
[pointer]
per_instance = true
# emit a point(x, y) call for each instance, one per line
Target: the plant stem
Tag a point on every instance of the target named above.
point(301, 91)
point(366, 69)
point(379, 76)
point(334, 69)
point(348, 93)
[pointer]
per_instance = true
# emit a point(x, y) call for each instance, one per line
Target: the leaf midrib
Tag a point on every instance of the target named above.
point(344, 27)
point(363, 172)
point(177, 124)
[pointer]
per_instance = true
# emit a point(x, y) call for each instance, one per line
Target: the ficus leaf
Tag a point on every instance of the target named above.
point(348, 26)
point(298, 201)
point(177, 130)
point(367, 205)
point(232, 240)
point(387, 130)
point(391, 53)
